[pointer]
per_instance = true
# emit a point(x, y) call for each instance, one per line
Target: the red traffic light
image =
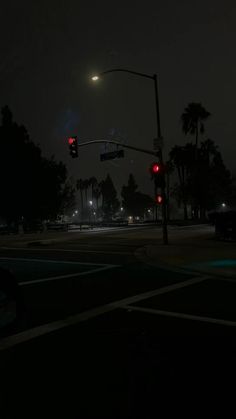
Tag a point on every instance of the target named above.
point(155, 168)
point(159, 199)
point(71, 140)
point(73, 146)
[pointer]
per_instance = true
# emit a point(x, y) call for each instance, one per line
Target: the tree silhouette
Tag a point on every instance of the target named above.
point(169, 168)
point(182, 157)
point(32, 187)
point(86, 186)
point(97, 194)
point(193, 119)
point(80, 187)
point(133, 201)
point(128, 195)
point(205, 187)
point(110, 202)
point(92, 182)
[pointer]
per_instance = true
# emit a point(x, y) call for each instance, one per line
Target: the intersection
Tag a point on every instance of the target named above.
point(127, 318)
point(64, 276)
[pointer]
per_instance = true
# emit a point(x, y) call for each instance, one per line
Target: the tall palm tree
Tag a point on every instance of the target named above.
point(102, 191)
point(193, 119)
point(80, 187)
point(208, 150)
point(86, 186)
point(92, 182)
point(97, 194)
point(182, 159)
point(169, 170)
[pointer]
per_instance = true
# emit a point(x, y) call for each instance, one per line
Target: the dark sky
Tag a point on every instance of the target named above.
point(50, 49)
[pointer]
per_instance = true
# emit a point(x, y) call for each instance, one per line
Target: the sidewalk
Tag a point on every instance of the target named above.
point(204, 254)
point(21, 240)
point(47, 237)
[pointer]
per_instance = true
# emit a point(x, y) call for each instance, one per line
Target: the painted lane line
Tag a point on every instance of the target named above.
point(45, 329)
point(159, 291)
point(55, 278)
point(86, 315)
point(181, 315)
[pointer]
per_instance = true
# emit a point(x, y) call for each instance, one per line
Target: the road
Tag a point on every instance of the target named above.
point(123, 316)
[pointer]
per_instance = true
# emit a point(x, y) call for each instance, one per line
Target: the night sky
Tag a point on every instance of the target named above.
point(50, 49)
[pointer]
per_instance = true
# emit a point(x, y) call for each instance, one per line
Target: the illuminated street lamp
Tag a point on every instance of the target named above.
point(91, 203)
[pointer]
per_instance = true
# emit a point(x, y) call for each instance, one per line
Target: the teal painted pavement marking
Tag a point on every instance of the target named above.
point(223, 263)
point(217, 263)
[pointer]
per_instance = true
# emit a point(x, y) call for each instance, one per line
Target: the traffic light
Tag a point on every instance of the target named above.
point(159, 199)
point(155, 168)
point(157, 171)
point(73, 146)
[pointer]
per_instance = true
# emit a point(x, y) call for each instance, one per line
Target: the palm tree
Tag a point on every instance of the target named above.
point(101, 186)
point(97, 193)
point(86, 186)
point(207, 154)
point(169, 170)
point(93, 182)
point(182, 159)
point(80, 187)
point(208, 150)
point(192, 120)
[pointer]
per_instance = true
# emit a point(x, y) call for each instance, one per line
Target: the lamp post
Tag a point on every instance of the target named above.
point(159, 138)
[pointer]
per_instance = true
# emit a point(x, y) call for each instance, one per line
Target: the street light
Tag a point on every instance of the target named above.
point(159, 137)
point(91, 203)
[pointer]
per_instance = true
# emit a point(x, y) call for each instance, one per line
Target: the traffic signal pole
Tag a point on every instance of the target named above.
point(159, 138)
point(163, 189)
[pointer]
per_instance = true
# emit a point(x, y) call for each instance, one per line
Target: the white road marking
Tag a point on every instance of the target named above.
point(54, 278)
point(159, 291)
point(181, 315)
point(38, 331)
point(27, 335)
point(109, 230)
point(102, 267)
point(109, 252)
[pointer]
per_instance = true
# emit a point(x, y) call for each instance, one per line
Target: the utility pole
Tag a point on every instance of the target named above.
point(163, 189)
point(159, 138)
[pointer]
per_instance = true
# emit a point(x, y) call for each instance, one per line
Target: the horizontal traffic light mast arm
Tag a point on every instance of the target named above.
point(141, 150)
point(148, 76)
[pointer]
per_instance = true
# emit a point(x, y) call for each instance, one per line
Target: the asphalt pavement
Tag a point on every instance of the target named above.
point(118, 325)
